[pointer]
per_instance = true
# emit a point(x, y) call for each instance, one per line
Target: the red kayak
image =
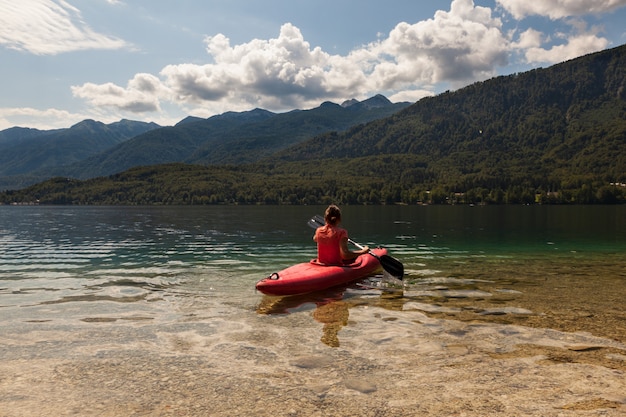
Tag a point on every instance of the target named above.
point(312, 276)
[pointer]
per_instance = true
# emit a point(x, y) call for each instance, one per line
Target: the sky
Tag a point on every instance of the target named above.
point(63, 61)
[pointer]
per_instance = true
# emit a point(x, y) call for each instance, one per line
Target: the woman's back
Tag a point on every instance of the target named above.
point(328, 240)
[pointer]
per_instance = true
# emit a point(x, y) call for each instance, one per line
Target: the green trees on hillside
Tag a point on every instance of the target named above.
point(388, 179)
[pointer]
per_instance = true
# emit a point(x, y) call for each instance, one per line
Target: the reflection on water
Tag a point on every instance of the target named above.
point(334, 316)
point(329, 308)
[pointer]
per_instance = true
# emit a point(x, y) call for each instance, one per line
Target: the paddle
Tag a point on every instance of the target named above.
point(389, 264)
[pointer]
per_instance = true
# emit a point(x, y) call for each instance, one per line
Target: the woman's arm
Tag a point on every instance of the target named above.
point(315, 234)
point(346, 253)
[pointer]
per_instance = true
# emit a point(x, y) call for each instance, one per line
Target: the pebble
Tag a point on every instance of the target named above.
point(358, 384)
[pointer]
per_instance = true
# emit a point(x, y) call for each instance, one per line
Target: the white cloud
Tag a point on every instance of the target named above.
point(410, 95)
point(47, 27)
point(462, 45)
point(530, 38)
point(459, 46)
point(580, 41)
point(46, 119)
point(280, 73)
point(562, 46)
point(576, 46)
point(557, 9)
point(141, 94)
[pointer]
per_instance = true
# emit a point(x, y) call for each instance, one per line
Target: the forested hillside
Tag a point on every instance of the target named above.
point(555, 135)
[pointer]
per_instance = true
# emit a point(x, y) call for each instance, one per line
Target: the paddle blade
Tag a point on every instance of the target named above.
point(316, 221)
point(392, 266)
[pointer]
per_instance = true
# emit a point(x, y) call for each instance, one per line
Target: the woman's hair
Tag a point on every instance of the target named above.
point(332, 215)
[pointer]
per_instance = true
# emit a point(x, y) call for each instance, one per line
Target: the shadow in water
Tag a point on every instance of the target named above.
point(330, 307)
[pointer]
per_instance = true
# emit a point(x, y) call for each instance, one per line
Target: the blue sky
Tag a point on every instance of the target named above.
point(63, 61)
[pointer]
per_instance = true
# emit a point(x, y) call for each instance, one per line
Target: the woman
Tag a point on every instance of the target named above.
point(332, 240)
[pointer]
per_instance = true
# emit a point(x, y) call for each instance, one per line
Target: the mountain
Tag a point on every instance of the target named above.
point(228, 138)
point(376, 102)
point(550, 135)
point(189, 119)
point(24, 151)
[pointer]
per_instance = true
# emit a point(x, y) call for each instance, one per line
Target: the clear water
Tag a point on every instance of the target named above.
point(124, 277)
point(121, 262)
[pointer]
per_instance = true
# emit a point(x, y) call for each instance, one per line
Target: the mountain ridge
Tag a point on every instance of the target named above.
point(230, 137)
point(220, 138)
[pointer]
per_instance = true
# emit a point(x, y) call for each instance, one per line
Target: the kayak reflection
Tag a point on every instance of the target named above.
point(334, 316)
point(330, 308)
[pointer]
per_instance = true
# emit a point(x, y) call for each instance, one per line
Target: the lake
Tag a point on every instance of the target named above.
point(505, 310)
